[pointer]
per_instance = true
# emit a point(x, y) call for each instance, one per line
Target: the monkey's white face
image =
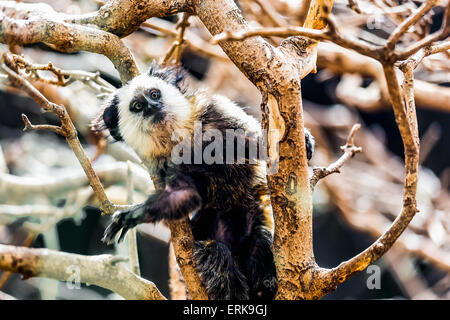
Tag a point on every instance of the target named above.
point(150, 109)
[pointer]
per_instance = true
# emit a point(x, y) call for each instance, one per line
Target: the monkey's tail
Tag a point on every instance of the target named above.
point(219, 271)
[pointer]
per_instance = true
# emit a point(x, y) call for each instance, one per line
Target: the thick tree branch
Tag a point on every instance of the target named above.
point(277, 74)
point(23, 23)
point(123, 17)
point(104, 270)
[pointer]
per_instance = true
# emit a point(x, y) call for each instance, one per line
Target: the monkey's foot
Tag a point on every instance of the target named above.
point(123, 221)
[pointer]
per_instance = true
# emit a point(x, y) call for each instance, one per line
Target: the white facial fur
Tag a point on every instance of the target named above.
point(146, 138)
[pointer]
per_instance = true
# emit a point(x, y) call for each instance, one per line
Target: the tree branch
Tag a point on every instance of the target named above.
point(16, 187)
point(407, 23)
point(67, 129)
point(103, 270)
point(349, 151)
point(407, 122)
point(123, 17)
point(34, 25)
point(342, 61)
point(63, 77)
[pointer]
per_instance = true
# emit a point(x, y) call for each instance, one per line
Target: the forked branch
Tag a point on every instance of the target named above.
point(67, 129)
point(349, 151)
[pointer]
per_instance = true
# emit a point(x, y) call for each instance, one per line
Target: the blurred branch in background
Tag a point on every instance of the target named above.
point(52, 264)
point(400, 58)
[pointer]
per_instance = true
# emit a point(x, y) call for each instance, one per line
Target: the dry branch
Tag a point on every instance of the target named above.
point(411, 20)
point(342, 61)
point(63, 77)
point(16, 187)
point(407, 122)
point(123, 17)
point(349, 151)
point(192, 39)
point(22, 24)
point(67, 129)
point(103, 270)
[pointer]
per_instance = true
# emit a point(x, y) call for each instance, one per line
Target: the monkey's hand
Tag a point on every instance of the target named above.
point(123, 220)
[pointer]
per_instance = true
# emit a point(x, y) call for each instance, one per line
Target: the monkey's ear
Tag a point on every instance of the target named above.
point(173, 75)
point(111, 118)
point(108, 119)
point(179, 74)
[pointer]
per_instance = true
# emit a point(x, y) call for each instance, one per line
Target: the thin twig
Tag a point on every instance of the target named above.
point(353, 5)
point(175, 49)
point(270, 12)
point(29, 126)
point(192, 40)
point(63, 77)
point(411, 20)
point(439, 35)
point(349, 151)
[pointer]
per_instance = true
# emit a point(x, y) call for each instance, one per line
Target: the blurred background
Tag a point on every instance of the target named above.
point(350, 209)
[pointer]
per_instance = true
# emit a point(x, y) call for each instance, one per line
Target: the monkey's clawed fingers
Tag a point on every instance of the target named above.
point(122, 221)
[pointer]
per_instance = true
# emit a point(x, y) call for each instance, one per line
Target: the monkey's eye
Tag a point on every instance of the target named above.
point(137, 106)
point(155, 94)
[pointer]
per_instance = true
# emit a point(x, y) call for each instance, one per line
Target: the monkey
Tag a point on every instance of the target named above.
point(231, 221)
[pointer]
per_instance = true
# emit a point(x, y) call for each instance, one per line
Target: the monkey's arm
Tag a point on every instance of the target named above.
point(178, 199)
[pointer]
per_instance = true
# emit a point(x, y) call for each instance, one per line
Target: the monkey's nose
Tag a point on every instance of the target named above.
point(151, 109)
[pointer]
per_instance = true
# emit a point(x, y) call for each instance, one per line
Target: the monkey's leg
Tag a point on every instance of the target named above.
point(219, 271)
point(178, 199)
point(257, 259)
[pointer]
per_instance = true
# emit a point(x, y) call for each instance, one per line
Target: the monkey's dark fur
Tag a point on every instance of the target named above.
point(231, 223)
